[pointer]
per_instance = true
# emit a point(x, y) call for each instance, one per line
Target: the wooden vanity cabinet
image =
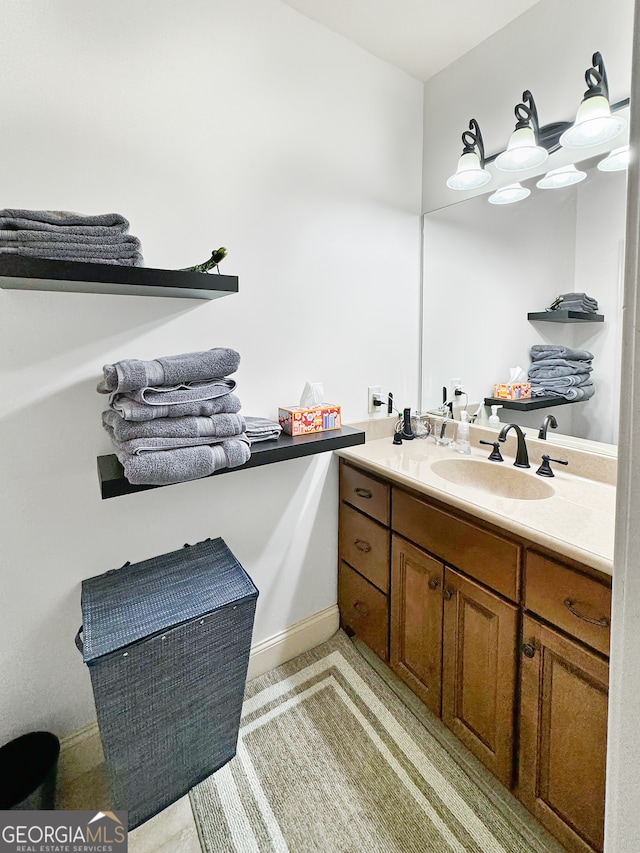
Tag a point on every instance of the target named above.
point(505, 643)
point(563, 734)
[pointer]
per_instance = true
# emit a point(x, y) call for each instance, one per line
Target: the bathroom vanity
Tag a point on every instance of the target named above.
point(493, 608)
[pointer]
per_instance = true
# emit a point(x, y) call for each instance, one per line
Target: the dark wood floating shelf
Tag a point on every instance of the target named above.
point(18, 273)
point(113, 483)
point(561, 316)
point(530, 404)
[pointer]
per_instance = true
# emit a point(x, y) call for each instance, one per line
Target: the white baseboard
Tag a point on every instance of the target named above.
point(81, 750)
point(293, 641)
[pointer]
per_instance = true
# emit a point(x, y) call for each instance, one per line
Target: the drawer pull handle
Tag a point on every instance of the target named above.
point(364, 493)
point(361, 608)
point(601, 623)
point(434, 583)
point(361, 545)
point(447, 594)
point(528, 650)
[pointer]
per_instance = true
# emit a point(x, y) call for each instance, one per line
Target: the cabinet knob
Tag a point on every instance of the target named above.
point(363, 493)
point(571, 607)
point(361, 545)
point(434, 583)
point(528, 650)
point(361, 608)
point(447, 594)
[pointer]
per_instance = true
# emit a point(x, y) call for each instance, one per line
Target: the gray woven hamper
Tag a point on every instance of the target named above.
point(167, 644)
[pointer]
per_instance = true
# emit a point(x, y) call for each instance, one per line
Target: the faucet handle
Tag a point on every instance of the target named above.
point(545, 469)
point(495, 455)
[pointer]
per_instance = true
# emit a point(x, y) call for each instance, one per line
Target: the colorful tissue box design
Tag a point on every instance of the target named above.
point(297, 420)
point(512, 391)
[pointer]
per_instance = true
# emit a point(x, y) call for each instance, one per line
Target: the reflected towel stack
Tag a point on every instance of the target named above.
point(574, 302)
point(65, 236)
point(559, 371)
point(175, 418)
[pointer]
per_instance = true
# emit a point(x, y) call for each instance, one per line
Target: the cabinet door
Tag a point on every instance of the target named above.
point(416, 621)
point(563, 733)
point(479, 672)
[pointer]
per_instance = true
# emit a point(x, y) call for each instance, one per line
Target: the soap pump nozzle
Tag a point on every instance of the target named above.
point(407, 432)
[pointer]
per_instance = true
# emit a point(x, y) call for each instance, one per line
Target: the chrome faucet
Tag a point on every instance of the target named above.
point(522, 456)
point(549, 421)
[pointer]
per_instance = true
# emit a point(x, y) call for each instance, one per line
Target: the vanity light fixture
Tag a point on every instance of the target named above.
point(616, 160)
point(523, 150)
point(565, 176)
point(470, 173)
point(509, 194)
point(594, 123)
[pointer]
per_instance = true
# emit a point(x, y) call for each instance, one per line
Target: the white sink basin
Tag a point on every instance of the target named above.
point(493, 478)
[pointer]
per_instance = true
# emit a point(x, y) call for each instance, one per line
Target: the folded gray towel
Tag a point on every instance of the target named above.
point(572, 395)
point(188, 392)
point(41, 239)
point(584, 307)
point(164, 467)
point(261, 429)
point(543, 351)
point(136, 260)
point(51, 219)
point(223, 425)
point(562, 381)
point(547, 369)
point(69, 251)
point(131, 373)
point(133, 410)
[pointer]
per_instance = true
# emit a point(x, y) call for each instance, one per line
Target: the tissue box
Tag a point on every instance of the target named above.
point(298, 420)
point(512, 391)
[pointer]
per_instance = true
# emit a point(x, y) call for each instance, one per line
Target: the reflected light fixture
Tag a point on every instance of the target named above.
point(594, 123)
point(523, 150)
point(509, 194)
point(565, 176)
point(616, 160)
point(470, 173)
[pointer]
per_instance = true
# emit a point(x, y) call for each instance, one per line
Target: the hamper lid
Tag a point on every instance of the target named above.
point(128, 604)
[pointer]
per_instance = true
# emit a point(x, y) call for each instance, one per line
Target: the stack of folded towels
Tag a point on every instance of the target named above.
point(176, 418)
point(559, 371)
point(574, 302)
point(64, 236)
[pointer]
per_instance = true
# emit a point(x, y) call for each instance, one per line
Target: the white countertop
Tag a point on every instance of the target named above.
point(577, 521)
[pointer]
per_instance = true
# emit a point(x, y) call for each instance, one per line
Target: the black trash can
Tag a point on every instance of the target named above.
point(28, 768)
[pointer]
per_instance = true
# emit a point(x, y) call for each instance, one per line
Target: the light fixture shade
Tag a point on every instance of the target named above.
point(522, 153)
point(616, 160)
point(594, 124)
point(469, 174)
point(509, 194)
point(565, 176)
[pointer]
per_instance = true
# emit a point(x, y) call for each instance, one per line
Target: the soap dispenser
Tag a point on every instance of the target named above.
point(494, 420)
point(463, 445)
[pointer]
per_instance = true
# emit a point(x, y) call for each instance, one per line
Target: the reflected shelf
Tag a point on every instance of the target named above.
point(565, 316)
point(530, 403)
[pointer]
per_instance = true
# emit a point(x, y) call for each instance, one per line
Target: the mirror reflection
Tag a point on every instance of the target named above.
point(487, 266)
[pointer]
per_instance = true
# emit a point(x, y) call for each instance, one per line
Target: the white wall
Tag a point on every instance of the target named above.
point(226, 122)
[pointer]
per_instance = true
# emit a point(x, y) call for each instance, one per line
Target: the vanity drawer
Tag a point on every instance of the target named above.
point(365, 610)
point(365, 493)
point(574, 602)
point(485, 556)
point(364, 544)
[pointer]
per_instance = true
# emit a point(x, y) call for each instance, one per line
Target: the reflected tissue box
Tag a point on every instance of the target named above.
point(512, 391)
point(300, 420)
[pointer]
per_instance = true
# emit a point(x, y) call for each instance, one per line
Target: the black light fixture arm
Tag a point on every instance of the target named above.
point(472, 139)
point(527, 113)
point(596, 78)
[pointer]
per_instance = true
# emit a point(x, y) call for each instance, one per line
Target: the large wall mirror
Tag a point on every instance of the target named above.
point(487, 266)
